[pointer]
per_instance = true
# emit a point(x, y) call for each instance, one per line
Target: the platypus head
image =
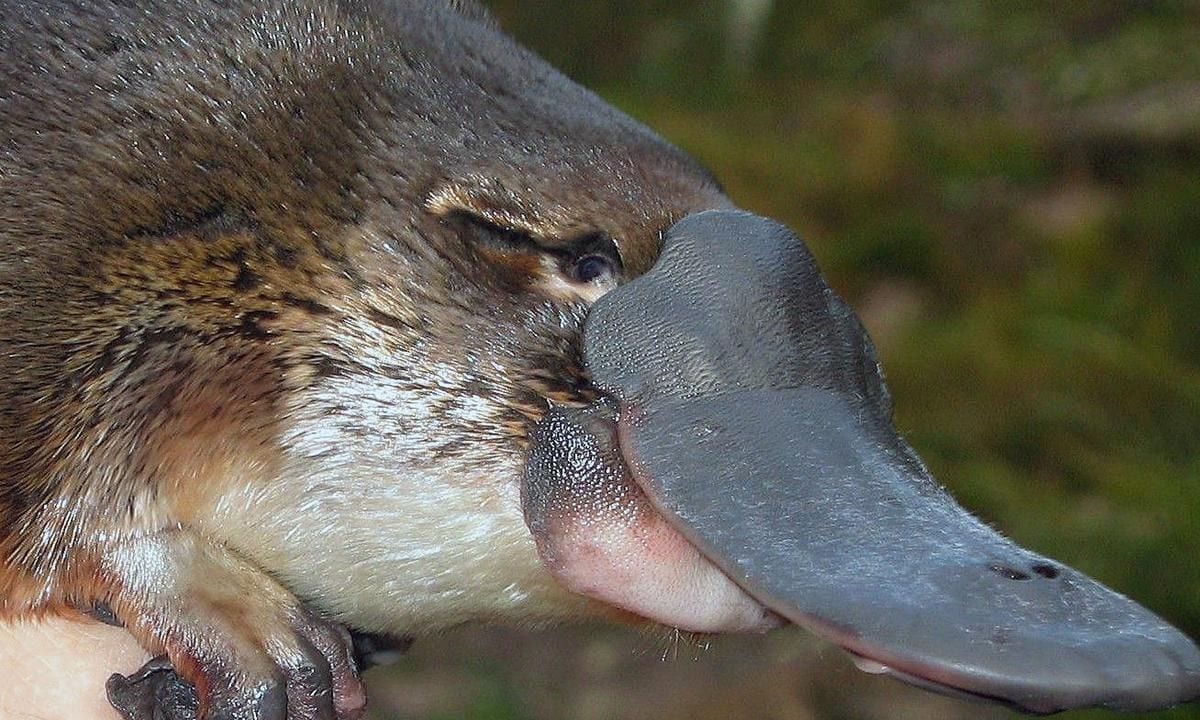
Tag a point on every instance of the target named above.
point(489, 202)
point(566, 321)
point(537, 366)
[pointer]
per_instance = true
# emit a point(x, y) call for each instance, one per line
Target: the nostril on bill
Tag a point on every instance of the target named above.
point(1008, 572)
point(1041, 569)
point(1046, 570)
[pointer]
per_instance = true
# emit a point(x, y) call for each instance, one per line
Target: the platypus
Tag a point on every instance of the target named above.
point(328, 314)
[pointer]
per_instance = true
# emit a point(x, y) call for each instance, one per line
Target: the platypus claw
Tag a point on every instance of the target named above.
point(155, 692)
point(245, 647)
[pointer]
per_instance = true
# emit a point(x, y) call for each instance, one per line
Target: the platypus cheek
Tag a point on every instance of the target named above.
point(597, 533)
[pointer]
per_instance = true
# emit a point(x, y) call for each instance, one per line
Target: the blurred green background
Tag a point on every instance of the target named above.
point(1009, 194)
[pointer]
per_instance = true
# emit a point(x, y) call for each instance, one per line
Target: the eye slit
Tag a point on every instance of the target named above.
point(590, 268)
point(482, 231)
point(584, 259)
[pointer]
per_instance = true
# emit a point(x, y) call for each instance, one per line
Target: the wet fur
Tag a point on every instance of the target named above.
point(236, 298)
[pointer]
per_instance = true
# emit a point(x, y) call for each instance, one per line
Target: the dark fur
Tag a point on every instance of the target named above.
point(182, 188)
point(224, 221)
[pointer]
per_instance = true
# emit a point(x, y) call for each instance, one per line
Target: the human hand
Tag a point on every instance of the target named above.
point(56, 668)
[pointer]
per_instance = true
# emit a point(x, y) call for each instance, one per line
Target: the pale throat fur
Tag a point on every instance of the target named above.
point(264, 311)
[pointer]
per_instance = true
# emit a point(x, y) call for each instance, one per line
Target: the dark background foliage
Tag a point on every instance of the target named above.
point(1009, 193)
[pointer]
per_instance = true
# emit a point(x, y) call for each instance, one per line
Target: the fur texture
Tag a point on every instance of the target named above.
point(294, 278)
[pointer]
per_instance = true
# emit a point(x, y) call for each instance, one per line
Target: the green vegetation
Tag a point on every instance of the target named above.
point(1010, 195)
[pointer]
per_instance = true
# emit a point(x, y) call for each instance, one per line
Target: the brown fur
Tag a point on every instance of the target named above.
point(207, 209)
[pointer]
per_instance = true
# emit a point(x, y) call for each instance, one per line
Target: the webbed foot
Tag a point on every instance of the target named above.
point(157, 692)
point(236, 644)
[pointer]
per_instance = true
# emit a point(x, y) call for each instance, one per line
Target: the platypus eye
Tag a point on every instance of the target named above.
point(571, 265)
point(592, 267)
point(592, 258)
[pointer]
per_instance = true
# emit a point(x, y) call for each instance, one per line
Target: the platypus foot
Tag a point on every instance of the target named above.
point(156, 692)
point(238, 646)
